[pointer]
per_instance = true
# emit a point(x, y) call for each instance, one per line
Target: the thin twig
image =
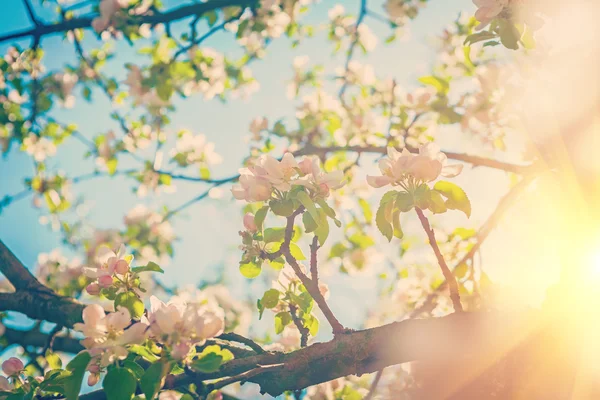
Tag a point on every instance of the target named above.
point(373, 388)
point(244, 376)
point(301, 328)
point(234, 337)
point(361, 16)
point(448, 275)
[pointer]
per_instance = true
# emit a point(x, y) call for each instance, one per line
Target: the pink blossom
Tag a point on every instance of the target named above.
point(93, 379)
point(426, 166)
point(249, 223)
point(488, 10)
point(12, 366)
point(107, 8)
point(251, 188)
point(106, 335)
point(319, 181)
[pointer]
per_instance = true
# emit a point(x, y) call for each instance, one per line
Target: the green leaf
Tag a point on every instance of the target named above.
point(153, 378)
point(309, 223)
point(77, 366)
point(283, 208)
point(134, 367)
point(439, 84)
point(366, 209)
point(396, 224)
point(143, 352)
point(322, 231)
point(307, 202)
point(274, 235)
point(382, 221)
point(296, 252)
point(325, 207)
point(404, 201)
point(436, 203)
point(211, 359)
point(270, 299)
point(312, 323)
point(479, 37)
point(259, 217)
point(111, 166)
point(150, 267)
point(281, 320)
point(165, 179)
point(457, 198)
point(250, 270)
point(119, 384)
point(421, 196)
point(509, 34)
point(130, 301)
point(461, 270)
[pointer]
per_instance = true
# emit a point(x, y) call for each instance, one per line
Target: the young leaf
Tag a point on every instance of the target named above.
point(77, 366)
point(259, 217)
point(250, 270)
point(404, 201)
point(270, 299)
point(307, 202)
point(383, 224)
point(143, 352)
point(309, 223)
point(150, 267)
point(322, 231)
point(153, 378)
point(436, 203)
point(296, 252)
point(457, 198)
point(396, 224)
point(119, 384)
point(130, 301)
point(281, 320)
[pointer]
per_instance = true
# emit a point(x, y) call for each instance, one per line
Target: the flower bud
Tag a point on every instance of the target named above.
point(122, 267)
point(93, 379)
point(93, 289)
point(12, 366)
point(105, 281)
point(249, 223)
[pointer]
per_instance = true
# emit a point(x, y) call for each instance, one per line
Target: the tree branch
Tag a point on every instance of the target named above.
point(152, 19)
point(469, 159)
point(35, 338)
point(15, 271)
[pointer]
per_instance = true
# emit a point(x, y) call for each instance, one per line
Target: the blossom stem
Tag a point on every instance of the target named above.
point(450, 278)
point(311, 286)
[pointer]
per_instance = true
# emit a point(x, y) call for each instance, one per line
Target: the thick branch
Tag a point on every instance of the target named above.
point(153, 19)
point(43, 305)
point(480, 337)
point(34, 338)
point(15, 271)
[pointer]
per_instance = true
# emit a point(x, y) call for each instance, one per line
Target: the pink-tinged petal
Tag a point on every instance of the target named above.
point(119, 320)
point(305, 165)
point(238, 192)
point(12, 366)
point(155, 304)
point(93, 289)
point(378, 181)
point(288, 161)
point(103, 254)
point(122, 267)
point(450, 171)
point(393, 153)
point(134, 335)
point(93, 314)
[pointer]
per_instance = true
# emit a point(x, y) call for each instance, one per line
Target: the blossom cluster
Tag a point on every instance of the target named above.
point(106, 337)
point(194, 149)
point(110, 268)
point(270, 176)
point(406, 168)
point(181, 326)
point(517, 10)
point(343, 26)
point(58, 273)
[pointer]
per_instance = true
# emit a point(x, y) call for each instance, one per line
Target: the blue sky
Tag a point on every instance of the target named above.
point(208, 230)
